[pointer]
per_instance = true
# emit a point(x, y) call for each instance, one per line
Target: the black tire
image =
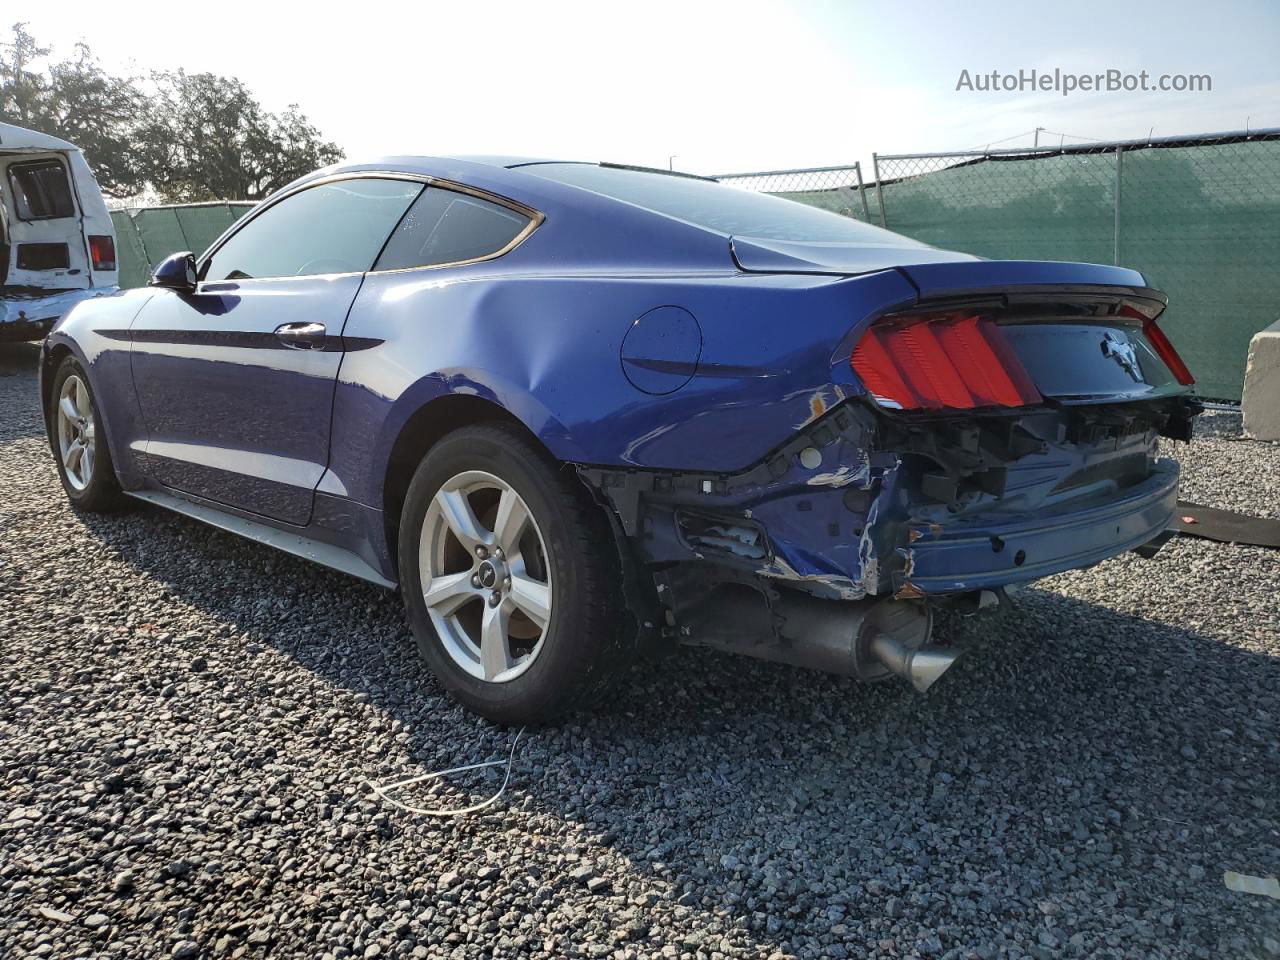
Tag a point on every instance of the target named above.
point(101, 494)
point(586, 643)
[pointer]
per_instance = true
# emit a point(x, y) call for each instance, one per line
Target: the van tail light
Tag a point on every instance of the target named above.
point(954, 362)
point(102, 250)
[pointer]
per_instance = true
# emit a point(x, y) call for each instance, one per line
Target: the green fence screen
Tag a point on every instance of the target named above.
point(146, 235)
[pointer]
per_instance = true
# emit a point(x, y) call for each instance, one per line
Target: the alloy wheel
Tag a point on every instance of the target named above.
point(76, 435)
point(485, 575)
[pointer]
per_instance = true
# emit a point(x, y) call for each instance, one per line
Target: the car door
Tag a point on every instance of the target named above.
point(235, 380)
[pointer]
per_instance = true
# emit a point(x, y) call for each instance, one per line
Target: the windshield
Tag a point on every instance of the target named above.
point(715, 206)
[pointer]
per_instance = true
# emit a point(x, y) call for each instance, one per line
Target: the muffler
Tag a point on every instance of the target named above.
point(869, 639)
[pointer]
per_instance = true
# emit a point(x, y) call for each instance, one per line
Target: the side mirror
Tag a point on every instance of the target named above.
point(176, 272)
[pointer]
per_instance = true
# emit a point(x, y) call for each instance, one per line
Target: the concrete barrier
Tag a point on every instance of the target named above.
point(1261, 404)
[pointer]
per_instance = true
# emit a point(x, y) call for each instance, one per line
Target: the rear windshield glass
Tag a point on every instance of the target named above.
point(715, 206)
point(40, 190)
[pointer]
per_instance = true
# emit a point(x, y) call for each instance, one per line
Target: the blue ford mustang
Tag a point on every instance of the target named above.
point(578, 410)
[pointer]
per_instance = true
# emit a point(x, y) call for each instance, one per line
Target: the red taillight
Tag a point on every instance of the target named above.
point(951, 362)
point(1161, 345)
point(102, 250)
point(1165, 351)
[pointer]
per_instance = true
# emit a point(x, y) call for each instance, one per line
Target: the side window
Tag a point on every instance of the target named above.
point(335, 227)
point(41, 190)
point(445, 226)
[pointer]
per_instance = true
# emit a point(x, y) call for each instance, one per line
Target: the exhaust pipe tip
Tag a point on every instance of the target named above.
point(921, 666)
point(928, 664)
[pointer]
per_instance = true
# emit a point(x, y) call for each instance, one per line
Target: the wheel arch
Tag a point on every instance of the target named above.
point(49, 363)
point(426, 427)
point(52, 356)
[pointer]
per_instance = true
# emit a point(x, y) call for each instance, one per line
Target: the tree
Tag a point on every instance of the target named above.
point(208, 138)
point(22, 89)
point(76, 100)
point(99, 114)
point(183, 137)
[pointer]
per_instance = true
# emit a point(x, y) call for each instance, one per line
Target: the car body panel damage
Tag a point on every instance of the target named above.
point(27, 314)
point(770, 521)
point(57, 243)
point(865, 504)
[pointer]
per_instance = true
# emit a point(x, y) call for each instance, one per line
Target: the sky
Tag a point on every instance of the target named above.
point(720, 86)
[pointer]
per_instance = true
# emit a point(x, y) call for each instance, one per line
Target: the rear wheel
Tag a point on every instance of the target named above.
point(79, 447)
point(510, 578)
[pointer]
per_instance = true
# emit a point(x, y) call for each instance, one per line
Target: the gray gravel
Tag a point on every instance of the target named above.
point(187, 721)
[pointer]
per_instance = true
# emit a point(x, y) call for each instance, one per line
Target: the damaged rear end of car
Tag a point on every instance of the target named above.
point(57, 242)
point(1001, 426)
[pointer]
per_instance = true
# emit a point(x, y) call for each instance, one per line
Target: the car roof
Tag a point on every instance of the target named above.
point(504, 175)
point(433, 165)
point(502, 160)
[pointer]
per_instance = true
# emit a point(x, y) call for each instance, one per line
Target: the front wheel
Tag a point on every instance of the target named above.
point(510, 578)
point(79, 447)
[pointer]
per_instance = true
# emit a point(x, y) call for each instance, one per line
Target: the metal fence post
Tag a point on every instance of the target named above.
point(862, 192)
point(1115, 241)
point(875, 168)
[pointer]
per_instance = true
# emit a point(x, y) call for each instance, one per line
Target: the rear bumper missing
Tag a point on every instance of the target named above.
point(835, 514)
point(988, 552)
point(801, 557)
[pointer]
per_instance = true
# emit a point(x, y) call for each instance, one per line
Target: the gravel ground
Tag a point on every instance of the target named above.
point(188, 722)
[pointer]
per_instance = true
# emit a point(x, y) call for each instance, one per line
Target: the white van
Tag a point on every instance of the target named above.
point(57, 244)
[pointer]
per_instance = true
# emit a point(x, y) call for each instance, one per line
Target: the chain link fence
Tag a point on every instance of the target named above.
point(838, 189)
point(1198, 216)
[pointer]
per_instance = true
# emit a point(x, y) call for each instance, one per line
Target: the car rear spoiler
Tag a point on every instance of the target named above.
point(950, 280)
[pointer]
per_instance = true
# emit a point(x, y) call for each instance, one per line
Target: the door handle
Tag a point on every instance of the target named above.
point(301, 336)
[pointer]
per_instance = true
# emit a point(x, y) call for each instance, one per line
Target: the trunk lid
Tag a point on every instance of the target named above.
point(1081, 330)
point(1083, 333)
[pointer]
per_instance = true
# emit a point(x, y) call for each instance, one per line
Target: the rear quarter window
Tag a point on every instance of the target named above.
point(445, 226)
point(41, 190)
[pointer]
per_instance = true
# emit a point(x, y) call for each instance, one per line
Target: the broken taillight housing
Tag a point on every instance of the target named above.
point(102, 250)
point(941, 362)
